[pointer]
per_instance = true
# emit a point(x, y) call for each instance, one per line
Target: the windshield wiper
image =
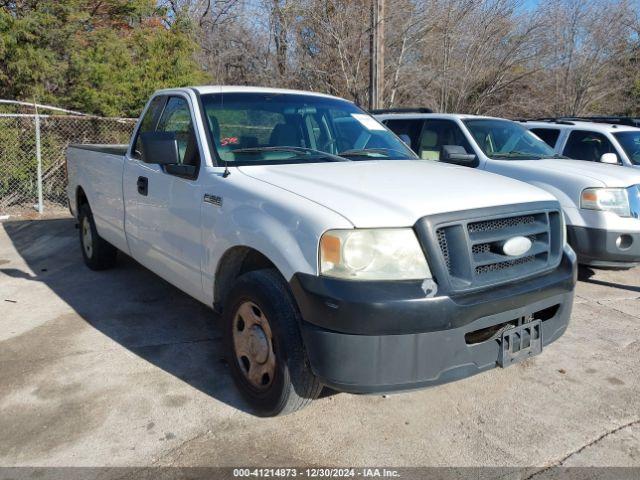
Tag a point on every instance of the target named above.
point(300, 150)
point(366, 152)
point(515, 154)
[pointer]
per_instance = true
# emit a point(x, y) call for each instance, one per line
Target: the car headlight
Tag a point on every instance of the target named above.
point(373, 254)
point(613, 200)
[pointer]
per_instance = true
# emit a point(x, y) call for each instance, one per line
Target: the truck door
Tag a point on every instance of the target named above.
point(165, 220)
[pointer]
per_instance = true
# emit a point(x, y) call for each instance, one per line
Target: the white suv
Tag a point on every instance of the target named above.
point(601, 204)
point(596, 139)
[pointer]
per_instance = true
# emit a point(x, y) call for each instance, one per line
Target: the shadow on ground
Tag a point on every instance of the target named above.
point(129, 304)
point(586, 274)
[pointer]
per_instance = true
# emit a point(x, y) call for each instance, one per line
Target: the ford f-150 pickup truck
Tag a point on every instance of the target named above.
point(601, 203)
point(334, 256)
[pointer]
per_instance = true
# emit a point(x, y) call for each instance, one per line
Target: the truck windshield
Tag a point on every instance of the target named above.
point(630, 142)
point(261, 128)
point(506, 140)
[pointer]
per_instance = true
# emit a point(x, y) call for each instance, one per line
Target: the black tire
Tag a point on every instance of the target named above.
point(101, 255)
point(294, 386)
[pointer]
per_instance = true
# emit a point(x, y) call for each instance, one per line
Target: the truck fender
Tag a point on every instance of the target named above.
point(291, 247)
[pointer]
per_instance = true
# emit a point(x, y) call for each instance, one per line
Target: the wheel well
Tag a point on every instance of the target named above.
point(235, 262)
point(81, 199)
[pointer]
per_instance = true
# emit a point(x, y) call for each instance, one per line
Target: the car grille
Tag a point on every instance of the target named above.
point(444, 247)
point(634, 200)
point(496, 267)
point(472, 250)
point(501, 223)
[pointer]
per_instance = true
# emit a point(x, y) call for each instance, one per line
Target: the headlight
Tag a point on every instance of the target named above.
point(373, 254)
point(613, 200)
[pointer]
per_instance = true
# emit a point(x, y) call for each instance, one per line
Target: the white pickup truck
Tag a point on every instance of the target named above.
point(601, 202)
point(335, 257)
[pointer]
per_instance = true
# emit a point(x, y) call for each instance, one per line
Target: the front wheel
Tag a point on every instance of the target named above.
point(264, 348)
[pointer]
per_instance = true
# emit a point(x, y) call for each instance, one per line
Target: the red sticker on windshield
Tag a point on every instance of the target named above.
point(228, 141)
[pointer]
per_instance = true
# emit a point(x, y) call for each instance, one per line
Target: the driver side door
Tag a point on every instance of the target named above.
point(167, 237)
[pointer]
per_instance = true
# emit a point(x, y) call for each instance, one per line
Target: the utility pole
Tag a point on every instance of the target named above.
point(376, 60)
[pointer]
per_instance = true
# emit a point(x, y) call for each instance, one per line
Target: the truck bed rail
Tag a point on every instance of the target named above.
point(102, 148)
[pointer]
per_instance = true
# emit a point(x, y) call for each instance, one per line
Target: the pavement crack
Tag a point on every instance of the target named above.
point(609, 304)
point(598, 439)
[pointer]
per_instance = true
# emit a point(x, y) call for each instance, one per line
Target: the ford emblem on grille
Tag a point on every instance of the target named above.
point(516, 246)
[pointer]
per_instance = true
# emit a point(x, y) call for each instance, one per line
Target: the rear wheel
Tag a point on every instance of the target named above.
point(98, 254)
point(264, 347)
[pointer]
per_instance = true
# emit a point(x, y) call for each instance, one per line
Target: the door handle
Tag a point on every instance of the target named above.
point(143, 186)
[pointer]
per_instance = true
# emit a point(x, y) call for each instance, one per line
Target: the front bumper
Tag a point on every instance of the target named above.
point(605, 248)
point(365, 337)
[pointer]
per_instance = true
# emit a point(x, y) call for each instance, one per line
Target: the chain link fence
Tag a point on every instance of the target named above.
point(32, 156)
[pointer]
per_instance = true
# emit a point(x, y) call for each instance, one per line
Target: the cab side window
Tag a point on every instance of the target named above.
point(547, 135)
point(406, 128)
point(438, 133)
point(583, 145)
point(176, 118)
point(148, 123)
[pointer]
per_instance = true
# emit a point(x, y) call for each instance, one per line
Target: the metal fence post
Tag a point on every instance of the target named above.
point(43, 138)
point(39, 160)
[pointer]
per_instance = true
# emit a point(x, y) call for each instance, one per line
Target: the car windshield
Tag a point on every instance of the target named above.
point(506, 140)
point(267, 128)
point(630, 142)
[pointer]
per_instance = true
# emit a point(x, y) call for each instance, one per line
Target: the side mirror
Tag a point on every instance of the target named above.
point(610, 158)
point(405, 139)
point(458, 155)
point(160, 148)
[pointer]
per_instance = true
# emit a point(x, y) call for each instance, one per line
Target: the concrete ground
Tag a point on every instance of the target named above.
point(119, 368)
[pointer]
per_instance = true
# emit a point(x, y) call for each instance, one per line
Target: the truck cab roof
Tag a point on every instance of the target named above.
point(209, 89)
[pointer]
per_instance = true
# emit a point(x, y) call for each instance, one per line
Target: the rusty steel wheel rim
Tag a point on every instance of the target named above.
point(253, 345)
point(87, 237)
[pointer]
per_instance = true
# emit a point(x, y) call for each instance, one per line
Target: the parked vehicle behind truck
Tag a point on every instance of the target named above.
point(334, 256)
point(601, 203)
point(610, 140)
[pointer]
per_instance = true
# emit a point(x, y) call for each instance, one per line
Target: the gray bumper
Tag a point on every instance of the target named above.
point(605, 248)
point(365, 338)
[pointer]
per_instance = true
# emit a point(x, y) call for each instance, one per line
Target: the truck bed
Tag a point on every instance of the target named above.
point(98, 170)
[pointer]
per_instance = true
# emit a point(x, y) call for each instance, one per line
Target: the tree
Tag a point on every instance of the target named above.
point(103, 57)
point(588, 48)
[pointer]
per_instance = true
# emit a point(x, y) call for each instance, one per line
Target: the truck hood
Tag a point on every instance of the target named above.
point(588, 174)
point(395, 193)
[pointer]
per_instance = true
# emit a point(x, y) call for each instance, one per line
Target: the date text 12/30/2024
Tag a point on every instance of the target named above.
point(316, 472)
